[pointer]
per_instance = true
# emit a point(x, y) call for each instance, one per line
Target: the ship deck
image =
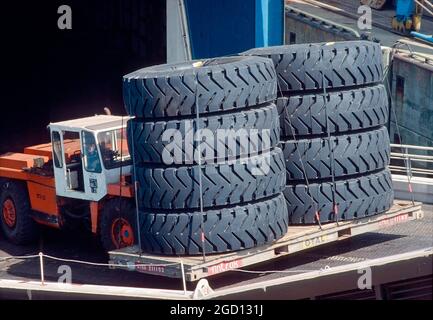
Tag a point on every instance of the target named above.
point(399, 239)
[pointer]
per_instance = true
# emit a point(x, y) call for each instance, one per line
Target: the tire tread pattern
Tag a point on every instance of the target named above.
point(227, 229)
point(302, 67)
point(350, 110)
point(226, 183)
point(356, 198)
point(233, 84)
point(353, 154)
point(146, 138)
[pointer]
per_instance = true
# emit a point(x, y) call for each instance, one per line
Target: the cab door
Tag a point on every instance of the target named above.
point(77, 166)
point(59, 162)
point(68, 170)
point(95, 184)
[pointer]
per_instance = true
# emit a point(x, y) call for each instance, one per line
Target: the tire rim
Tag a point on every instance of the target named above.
point(122, 233)
point(9, 213)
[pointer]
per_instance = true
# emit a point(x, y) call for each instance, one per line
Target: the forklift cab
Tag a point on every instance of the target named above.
point(88, 155)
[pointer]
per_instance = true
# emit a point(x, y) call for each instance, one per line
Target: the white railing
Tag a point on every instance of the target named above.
point(412, 172)
point(415, 161)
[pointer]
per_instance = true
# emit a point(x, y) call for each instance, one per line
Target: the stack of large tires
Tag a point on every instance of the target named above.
point(240, 207)
point(333, 109)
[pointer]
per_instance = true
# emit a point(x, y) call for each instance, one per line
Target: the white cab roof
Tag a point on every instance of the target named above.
point(95, 123)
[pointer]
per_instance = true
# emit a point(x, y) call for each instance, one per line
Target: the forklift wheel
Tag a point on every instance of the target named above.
point(16, 222)
point(118, 224)
point(122, 234)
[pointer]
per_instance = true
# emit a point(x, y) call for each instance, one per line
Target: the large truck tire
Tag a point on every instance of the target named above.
point(242, 134)
point(348, 110)
point(226, 183)
point(355, 198)
point(353, 154)
point(226, 229)
point(316, 66)
point(220, 84)
point(16, 222)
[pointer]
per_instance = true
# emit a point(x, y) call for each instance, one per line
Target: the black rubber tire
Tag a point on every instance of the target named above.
point(354, 154)
point(113, 209)
point(350, 110)
point(228, 83)
point(301, 67)
point(254, 131)
point(356, 198)
point(227, 229)
point(25, 230)
point(227, 183)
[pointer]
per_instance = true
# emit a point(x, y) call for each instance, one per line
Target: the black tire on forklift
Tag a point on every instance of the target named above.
point(227, 229)
point(227, 83)
point(247, 133)
point(355, 198)
point(353, 154)
point(349, 110)
point(302, 67)
point(118, 224)
point(16, 222)
point(227, 183)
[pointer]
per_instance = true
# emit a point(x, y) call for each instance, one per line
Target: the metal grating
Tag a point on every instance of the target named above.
point(412, 289)
point(350, 295)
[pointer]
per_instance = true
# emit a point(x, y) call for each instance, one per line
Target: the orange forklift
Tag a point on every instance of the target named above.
point(83, 175)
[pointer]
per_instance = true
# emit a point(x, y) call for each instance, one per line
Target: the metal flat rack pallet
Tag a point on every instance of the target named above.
point(298, 238)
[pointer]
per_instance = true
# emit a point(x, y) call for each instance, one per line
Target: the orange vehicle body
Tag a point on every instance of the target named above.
point(41, 184)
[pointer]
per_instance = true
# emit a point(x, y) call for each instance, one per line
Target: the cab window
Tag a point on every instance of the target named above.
point(114, 148)
point(92, 162)
point(57, 149)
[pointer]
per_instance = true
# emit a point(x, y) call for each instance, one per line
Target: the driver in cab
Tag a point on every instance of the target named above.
point(93, 164)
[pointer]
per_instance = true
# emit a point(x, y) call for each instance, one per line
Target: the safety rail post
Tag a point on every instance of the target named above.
point(409, 173)
point(182, 268)
point(41, 263)
point(409, 162)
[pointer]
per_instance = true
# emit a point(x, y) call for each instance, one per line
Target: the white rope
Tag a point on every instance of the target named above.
point(107, 265)
point(84, 262)
point(77, 261)
point(327, 268)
